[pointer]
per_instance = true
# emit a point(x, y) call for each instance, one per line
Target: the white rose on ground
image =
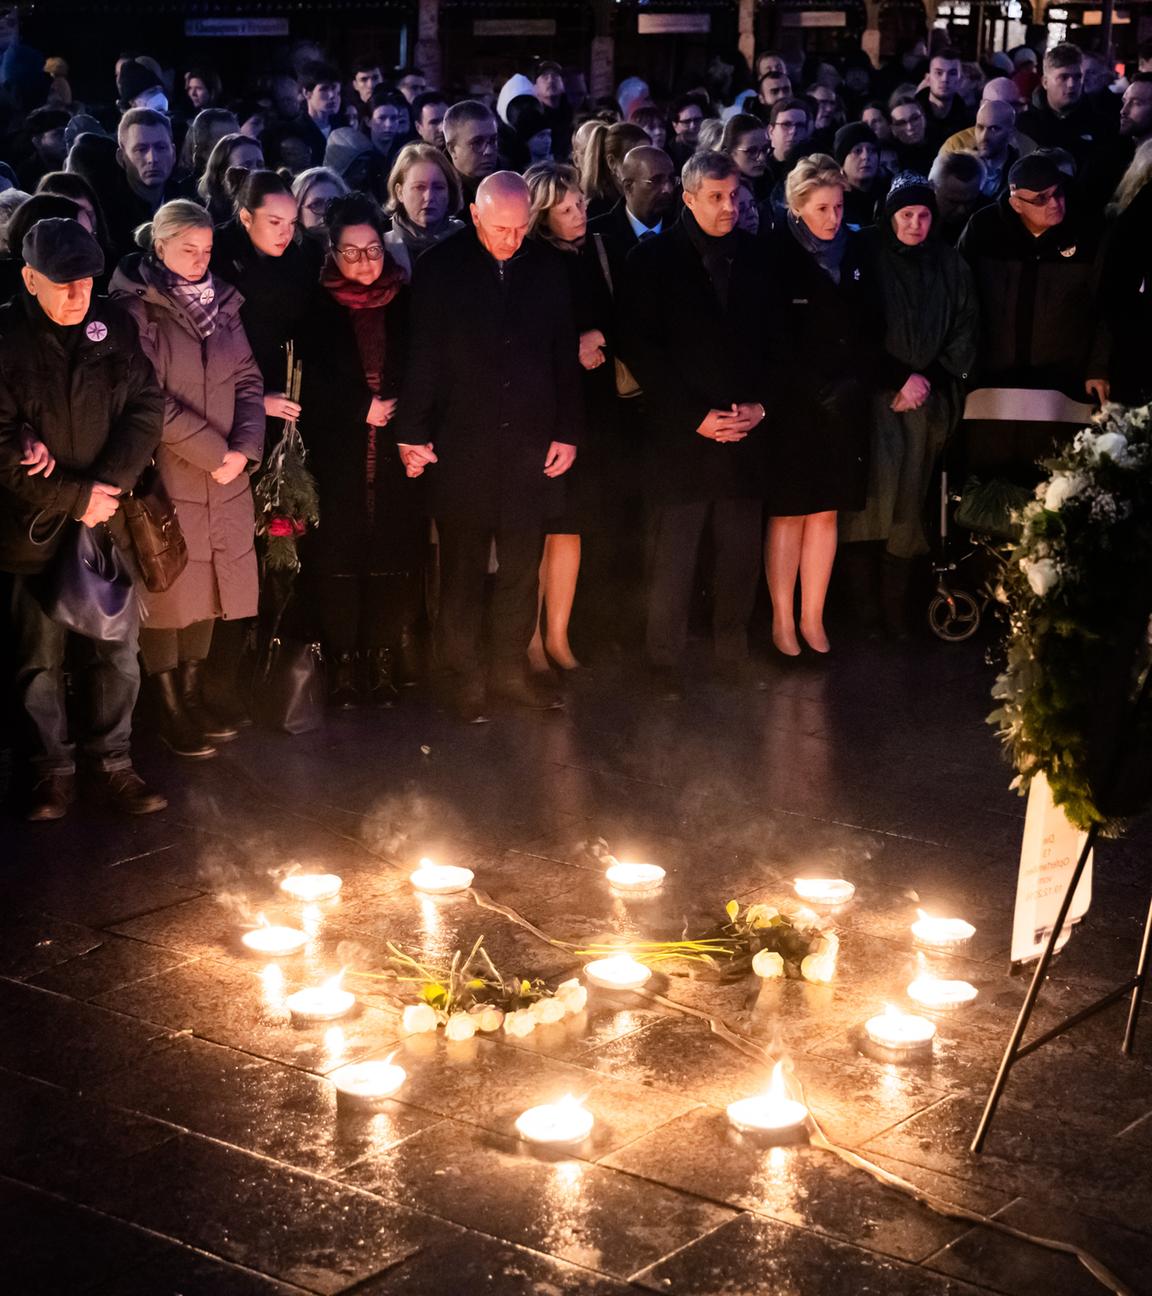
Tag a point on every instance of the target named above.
point(573, 996)
point(519, 1024)
point(418, 1018)
point(1042, 575)
point(768, 964)
point(550, 1011)
point(487, 1017)
point(1063, 487)
point(461, 1026)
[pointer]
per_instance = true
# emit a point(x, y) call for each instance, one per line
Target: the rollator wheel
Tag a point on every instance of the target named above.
point(954, 616)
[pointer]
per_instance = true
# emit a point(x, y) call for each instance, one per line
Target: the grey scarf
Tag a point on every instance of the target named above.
point(828, 253)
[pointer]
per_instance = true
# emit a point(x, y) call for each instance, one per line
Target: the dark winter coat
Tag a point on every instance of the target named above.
point(931, 328)
point(1127, 300)
point(692, 353)
point(832, 360)
point(213, 403)
point(94, 403)
point(276, 291)
point(493, 378)
point(388, 532)
point(1040, 315)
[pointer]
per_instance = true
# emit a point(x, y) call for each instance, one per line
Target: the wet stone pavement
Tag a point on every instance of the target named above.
point(164, 1128)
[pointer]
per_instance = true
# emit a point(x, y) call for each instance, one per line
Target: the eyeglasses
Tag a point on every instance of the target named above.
point(1052, 195)
point(753, 152)
point(373, 252)
point(688, 121)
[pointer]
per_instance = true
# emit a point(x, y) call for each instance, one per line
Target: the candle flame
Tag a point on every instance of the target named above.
point(778, 1085)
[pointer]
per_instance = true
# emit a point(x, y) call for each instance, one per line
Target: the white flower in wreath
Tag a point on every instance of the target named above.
point(488, 1017)
point(1114, 445)
point(1042, 575)
point(1062, 488)
point(768, 964)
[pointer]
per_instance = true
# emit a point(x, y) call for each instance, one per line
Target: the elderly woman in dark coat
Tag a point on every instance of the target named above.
point(931, 325)
point(828, 318)
point(363, 568)
point(190, 328)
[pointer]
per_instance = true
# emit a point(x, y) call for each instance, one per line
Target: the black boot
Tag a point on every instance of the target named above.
point(860, 578)
point(380, 688)
point(895, 580)
point(190, 675)
point(345, 691)
point(176, 729)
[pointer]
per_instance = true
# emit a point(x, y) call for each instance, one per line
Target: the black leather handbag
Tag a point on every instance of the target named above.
point(289, 685)
point(87, 587)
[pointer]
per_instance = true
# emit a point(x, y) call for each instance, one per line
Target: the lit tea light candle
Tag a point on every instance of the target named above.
point(273, 941)
point(902, 1037)
point(635, 877)
point(935, 992)
point(312, 887)
point(942, 933)
point(829, 892)
point(775, 1113)
point(556, 1124)
point(367, 1084)
point(620, 972)
point(321, 1003)
point(440, 879)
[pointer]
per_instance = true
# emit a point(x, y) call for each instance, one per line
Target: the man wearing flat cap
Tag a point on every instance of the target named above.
point(1043, 342)
point(80, 417)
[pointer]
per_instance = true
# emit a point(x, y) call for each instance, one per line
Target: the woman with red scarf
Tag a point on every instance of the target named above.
point(363, 566)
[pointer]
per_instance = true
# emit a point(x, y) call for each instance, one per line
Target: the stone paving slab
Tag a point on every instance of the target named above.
point(160, 1110)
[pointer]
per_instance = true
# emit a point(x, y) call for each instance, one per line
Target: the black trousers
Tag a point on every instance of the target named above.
point(458, 639)
point(675, 534)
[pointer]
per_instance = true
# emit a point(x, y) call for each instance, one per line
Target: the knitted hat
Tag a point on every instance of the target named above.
point(345, 145)
point(135, 79)
point(847, 138)
point(62, 250)
point(1036, 172)
point(909, 190)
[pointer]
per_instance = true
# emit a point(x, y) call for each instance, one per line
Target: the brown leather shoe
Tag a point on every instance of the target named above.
point(51, 797)
point(126, 791)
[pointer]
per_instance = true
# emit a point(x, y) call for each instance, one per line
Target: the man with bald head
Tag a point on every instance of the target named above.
point(995, 128)
point(488, 421)
point(999, 90)
point(648, 178)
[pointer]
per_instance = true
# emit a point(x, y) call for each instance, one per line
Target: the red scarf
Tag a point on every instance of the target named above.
point(366, 302)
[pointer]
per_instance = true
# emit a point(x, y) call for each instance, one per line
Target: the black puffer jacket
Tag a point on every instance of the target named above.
point(90, 395)
point(1039, 302)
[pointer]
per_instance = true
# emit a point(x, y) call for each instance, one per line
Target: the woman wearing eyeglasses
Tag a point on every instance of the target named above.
point(363, 567)
point(313, 190)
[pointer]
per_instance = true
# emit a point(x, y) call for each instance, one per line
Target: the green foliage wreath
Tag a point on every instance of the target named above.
point(1078, 590)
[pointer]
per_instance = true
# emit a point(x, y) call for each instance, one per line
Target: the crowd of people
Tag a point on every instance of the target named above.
point(552, 359)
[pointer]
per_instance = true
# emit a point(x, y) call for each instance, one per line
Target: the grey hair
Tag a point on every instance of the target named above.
point(964, 166)
point(706, 166)
point(457, 118)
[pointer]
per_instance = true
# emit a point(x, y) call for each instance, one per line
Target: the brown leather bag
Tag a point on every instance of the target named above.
point(158, 544)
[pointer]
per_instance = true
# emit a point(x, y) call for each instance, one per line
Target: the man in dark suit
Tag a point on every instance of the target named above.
point(693, 333)
point(490, 411)
point(649, 183)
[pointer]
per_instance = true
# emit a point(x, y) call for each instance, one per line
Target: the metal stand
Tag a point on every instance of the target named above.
point(1016, 1049)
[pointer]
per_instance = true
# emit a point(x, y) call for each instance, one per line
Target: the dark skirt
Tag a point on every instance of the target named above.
point(817, 458)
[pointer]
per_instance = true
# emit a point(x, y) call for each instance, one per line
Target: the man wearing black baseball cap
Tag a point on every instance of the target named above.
point(80, 417)
point(1036, 264)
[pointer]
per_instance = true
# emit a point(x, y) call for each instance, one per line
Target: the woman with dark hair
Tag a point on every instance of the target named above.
point(203, 87)
point(69, 184)
point(363, 568)
point(206, 130)
point(230, 151)
point(189, 328)
point(257, 252)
